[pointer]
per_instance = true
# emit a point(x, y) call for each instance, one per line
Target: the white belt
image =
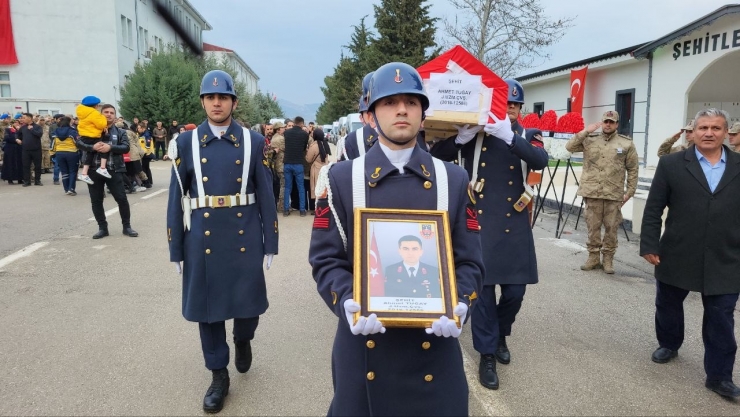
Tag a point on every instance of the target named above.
point(220, 201)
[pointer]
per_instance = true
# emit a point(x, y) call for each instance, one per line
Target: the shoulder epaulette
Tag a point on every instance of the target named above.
point(594, 134)
point(624, 136)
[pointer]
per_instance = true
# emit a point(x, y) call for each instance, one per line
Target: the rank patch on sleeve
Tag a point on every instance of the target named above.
point(321, 219)
point(471, 218)
point(537, 143)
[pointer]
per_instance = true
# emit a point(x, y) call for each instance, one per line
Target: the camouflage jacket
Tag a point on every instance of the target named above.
point(277, 143)
point(667, 147)
point(606, 159)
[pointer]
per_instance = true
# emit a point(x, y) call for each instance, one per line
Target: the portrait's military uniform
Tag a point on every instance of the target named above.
point(607, 159)
point(423, 284)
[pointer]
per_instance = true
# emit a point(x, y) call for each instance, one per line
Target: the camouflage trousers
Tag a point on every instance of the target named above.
point(282, 192)
point(607, 213)
point(46, 159)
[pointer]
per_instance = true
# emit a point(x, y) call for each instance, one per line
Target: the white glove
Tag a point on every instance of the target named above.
point(446, 327)
point(466, 133)
point(178, 267)
point(364, 325)
point(268, 263)
point(500, 128)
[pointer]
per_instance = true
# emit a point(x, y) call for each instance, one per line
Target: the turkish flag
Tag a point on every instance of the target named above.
point(375, 271)
point(7, 46)
point(577, 85)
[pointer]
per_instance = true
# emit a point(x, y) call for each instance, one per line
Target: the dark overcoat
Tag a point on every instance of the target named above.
point(403, 371)
point(700, 248)
point(425, 284)
point(13, 158)
point(506, 234)
point(223, 251)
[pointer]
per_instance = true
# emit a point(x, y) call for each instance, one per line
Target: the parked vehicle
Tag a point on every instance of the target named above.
point(354, 122)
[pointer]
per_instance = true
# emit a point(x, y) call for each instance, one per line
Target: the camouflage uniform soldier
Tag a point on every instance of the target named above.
point(277, 143)
point(734, 137)
point(667, 146)
point(606, 157)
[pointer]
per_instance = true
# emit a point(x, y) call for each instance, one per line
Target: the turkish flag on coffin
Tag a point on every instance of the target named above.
point(577, 86)
point(7, 46)
point(457, 59)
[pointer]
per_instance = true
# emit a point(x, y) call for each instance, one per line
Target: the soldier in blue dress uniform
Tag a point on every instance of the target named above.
point(221, 223)
point(495, 159)
point(411, 277)
point(398, 371)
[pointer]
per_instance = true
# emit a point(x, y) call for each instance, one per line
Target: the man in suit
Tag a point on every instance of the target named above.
point(699, 249)
point(411, 277)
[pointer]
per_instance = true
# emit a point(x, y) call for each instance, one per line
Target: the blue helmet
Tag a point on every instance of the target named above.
point(396, 78)
point(217, 82)
point(516, 91)
point(365, 88)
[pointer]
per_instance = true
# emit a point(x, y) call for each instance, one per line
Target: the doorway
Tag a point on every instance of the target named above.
point(625, 106)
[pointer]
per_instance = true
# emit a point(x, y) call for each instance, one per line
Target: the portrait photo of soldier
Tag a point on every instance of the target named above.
point(411, 277)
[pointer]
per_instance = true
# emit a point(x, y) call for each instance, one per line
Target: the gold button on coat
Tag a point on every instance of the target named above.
point(508, 214)
point(208, 251)
point(511, 167)
point(427, 184)
point(241, 232)
point(243, 249)
point(370, 344)
point(238, 214)
point(511, 182)
point(484, 149)
point(205, 179)
point(480, 195)
point(239, 179)
point(480, 211)
point(206, 215)
point(238, 162)
point(204, 160)
point(508, 199)
point(483, 164)
point(372, 184)
point(208, 232)
point(426, 345)
point(428, 378)
point(370, 376)
point(507, 230)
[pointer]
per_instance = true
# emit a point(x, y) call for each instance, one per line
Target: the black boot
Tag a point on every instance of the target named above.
point(101, 234)
point(128, 231)
point(487, 375)
point(502, 353)
point(243, 360)
point(213, 402)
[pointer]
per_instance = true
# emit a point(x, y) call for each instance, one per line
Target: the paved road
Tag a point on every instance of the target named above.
point(94, 327)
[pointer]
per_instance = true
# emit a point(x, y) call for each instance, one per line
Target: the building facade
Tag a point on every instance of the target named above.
point(68, 50)
point(658, 86)
point(243, 72)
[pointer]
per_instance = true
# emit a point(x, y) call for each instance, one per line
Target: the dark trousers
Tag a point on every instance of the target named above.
point(97, 194)
point(157, 147)
point(145, 167)
point(28, 157)
point(213, 340)
point(492, 320)
point(67, 163)
point(717, 332)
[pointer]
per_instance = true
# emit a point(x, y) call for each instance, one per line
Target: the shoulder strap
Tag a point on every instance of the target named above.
point(247, 134)
point(358, 182)
point(360, 136)
point(440, 171)
point(476, 156)
point(196, 162)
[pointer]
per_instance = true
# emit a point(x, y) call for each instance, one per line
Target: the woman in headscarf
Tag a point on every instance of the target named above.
point(318, 156)
point(12, 161)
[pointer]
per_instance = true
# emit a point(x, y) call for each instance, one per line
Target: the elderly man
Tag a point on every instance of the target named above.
point(667, 146)
point(734, 138)
point(607, 156)
point(698, 250)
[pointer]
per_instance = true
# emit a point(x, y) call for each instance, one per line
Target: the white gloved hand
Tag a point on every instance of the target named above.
point(445, 327)
point(364, 325)
point(268, 263)
point(466, 133)
point(178, 267)
point(500, 128)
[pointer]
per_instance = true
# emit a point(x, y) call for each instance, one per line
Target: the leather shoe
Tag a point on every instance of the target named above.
point(26, 184)
point(723, 388)
point(128, 231)
point(502, 352)
point(664, 355)
point(37, 183)
point(487, 375)
point(101, 234)
point(243, 360)
point(213, 402)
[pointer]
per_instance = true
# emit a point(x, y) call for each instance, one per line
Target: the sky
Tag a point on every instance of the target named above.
point(293, 44)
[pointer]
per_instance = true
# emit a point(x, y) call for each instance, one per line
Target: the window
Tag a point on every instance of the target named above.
point(4, 84)
point(157, 44)
point(568, 105)
point(48, 112)
point(625, 106)
point(143, 40)
point(539, 108)
point(126, 34)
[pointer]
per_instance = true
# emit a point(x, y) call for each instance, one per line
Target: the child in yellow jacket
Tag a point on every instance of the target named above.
point(91, 127)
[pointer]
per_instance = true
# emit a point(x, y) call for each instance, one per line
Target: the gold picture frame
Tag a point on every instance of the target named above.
point(397, 255)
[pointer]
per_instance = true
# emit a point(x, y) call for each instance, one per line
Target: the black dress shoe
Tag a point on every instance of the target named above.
point(664, 355)
point(101, 233)
point(38, 183)
point(213, 402)
point(724, 388)
point(128, 231)
point(243, 360)
point(26, 184)
point(487, 375)
point(502, 352)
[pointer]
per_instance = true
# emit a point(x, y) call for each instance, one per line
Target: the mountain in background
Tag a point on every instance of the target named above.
point(291, 110)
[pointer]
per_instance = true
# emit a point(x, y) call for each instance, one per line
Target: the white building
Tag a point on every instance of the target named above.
point(70, 49)
point(243, 72)
point(656, 87)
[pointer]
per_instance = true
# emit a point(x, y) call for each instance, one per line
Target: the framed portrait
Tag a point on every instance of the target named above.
point(404, 271)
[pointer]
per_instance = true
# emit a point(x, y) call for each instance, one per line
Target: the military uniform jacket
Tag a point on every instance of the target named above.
point(413, 373)
point(667, 147)
point(425, 282)
point(223, 251)
point(606, 158)
point(506, 234)
point(699, 248)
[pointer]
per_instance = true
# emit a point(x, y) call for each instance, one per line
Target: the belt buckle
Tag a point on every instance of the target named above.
point(220, 201)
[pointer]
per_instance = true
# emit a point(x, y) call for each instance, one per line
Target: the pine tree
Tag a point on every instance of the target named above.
point(405, 33)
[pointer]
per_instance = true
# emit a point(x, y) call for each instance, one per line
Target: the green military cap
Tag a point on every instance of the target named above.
point(735, 128)
point(690, 126)
point(610, 115)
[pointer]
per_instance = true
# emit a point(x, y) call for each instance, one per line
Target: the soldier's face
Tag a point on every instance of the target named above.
point(709, 133)
point(689, 136)
point(268, 130)
point(399, 117)
point(608, 126)
point(410, 252)
point(513, 110)
point(734, 139)
point(218, 107)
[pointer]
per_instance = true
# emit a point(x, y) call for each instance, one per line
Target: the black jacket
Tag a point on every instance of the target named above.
point(118, 140)
point(699, 248)
point(31, 136)
point(295, 146)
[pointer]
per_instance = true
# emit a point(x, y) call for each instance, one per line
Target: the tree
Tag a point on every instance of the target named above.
point(341, 92)
point(506, 35)
point(406, 33)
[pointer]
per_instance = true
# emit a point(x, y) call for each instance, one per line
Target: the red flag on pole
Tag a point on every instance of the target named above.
point(7, 46)
point(577, 86)
point(375, 272)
